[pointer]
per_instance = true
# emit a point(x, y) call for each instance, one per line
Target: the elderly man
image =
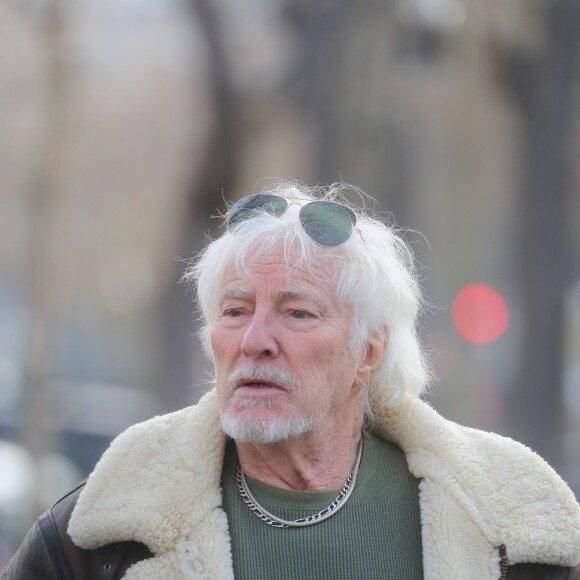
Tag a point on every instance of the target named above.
point(314, 457)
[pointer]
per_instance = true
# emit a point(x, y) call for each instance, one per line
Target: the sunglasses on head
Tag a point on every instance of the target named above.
point(328, 223)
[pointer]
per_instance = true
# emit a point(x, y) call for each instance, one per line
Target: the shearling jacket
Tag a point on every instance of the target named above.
point(151, 509)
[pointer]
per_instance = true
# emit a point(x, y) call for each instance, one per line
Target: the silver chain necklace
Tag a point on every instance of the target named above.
point(322, 515)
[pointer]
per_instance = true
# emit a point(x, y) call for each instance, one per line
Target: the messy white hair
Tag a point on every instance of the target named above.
point(374, 275)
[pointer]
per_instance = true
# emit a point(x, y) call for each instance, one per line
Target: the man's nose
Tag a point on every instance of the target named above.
point(260, 339)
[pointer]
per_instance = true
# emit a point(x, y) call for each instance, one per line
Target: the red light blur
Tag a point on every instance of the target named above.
point(480, 314)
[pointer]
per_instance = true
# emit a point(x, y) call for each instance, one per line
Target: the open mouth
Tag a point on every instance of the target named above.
point(256, 380)
point(258, 385)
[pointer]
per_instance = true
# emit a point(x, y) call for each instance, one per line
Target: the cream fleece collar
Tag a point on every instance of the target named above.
point(159, 484)
point(489, 489)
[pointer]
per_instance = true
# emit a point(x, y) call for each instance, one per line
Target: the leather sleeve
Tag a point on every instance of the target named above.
point(31, 561)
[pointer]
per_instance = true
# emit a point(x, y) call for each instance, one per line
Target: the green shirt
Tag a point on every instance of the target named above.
point(376, 534)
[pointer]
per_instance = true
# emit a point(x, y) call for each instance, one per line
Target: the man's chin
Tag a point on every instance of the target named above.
point(264, 430)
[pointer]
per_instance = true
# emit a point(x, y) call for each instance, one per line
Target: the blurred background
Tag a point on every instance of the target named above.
point(125, 124)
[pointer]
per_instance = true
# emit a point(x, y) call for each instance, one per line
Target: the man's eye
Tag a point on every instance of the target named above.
point(299, 314)
point(233, 312)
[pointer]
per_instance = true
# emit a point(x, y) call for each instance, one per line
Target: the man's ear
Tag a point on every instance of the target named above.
point(373, 355)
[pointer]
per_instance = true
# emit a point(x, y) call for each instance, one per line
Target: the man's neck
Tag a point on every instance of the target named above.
point(313, 462)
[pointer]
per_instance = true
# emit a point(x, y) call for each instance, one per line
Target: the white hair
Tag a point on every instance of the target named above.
point(374, 274)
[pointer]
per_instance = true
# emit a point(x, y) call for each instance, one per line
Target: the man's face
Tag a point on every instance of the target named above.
point(280, 344)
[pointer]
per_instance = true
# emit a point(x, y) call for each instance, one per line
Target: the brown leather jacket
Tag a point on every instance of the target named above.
point(48, 553)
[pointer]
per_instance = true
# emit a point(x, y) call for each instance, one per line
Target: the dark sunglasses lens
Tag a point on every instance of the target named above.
point(327, 223)
point(248, 207)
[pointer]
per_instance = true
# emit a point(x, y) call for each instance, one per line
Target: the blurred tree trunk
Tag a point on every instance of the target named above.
point(210, 186)
point(341, 81)
point(43, 263)
point(544, 87)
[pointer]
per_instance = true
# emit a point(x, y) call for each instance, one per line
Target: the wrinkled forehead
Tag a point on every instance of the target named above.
point(281, 275)
point(284, 267)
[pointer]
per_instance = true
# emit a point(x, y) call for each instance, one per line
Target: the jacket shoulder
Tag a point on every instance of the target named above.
point(38, 554)
point(31, 561)
point(48, 552)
